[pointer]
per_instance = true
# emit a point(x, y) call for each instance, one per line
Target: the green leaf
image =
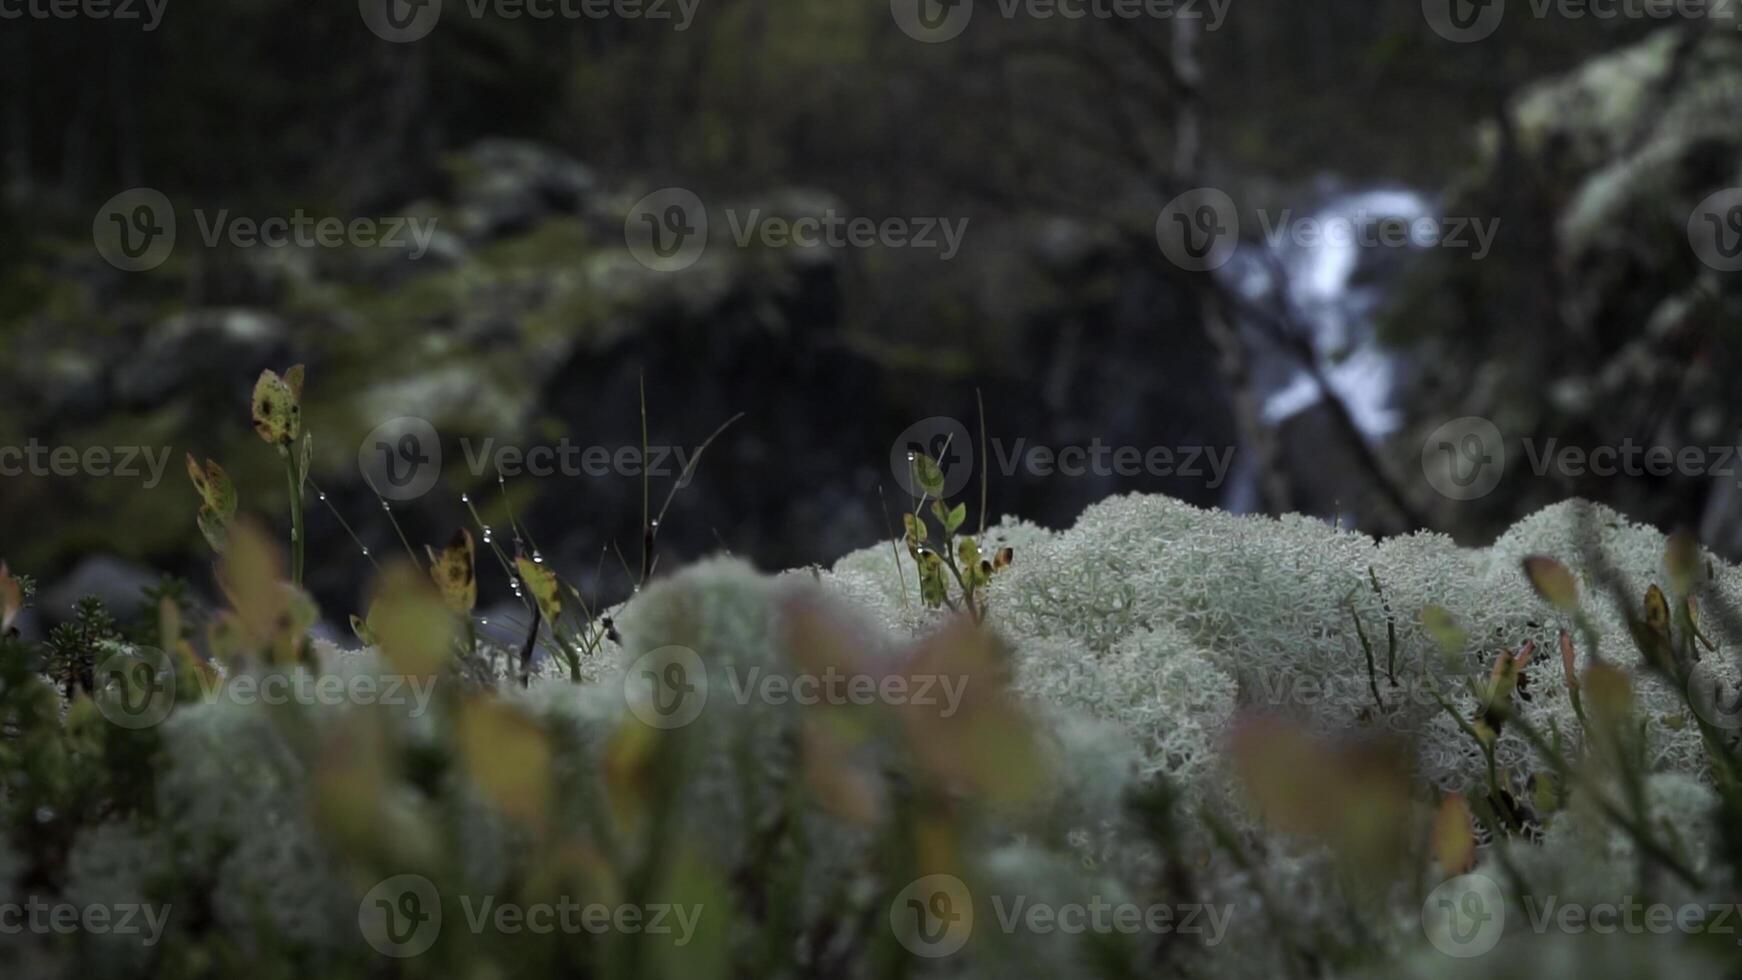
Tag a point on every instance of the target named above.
point(931, 479)
point(916, 532)
point(968, 552)
point(956, 517)
point(1445, 630)
point(308, 451)
point(359, 627)
point(932, 589)
point(215, 529)
point(214, 486)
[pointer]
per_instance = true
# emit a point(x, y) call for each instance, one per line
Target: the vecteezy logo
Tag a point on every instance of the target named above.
point(135, 688)
point(401, 458)
point(932, 21)
point(1465, 458)
point(402, 916)
point(1715, 230)
point(135, 230)
point(942, 438)
point(400, 21)
point(1464, 916)
point(1464, 21)
point(1199, 230)
point(667, 688)
point(1717, 703)
point(667, 230)
point(933, 916)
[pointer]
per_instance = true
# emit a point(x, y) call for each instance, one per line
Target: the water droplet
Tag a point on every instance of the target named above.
point(365, 551)
point(386, 506)
point(537, 559)
point(483, 621)
point(654, 523)
point(911, 456)
point(465, 498)
point(322, 497)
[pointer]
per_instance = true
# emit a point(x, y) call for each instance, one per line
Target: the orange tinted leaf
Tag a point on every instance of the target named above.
point(1454, 841)
point(1553, 582)
point(11, 598)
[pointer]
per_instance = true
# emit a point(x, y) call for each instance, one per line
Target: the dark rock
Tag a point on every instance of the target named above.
point(120, 584)
point(505, 186)
point(197, 345)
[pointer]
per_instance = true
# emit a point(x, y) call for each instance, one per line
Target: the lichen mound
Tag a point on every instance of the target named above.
point(1164, 705)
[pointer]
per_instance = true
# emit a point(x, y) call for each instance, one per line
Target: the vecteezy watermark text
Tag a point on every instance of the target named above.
point(403, 21)
point(1361, 229)
point(669, 687)
point(934, 917)
point(136, 230)
point(667, 231)
point(137, 688)
point(123, 462)
point(947, 442)
point(308, 231)
point(403, 917)
point(1464, 459)
point(936, 21)
point(1468, 21)
point(149, 13)
point(1466, 916)
point(41, 918)
point(570, 459)
point(1199, 230)
point(835, 230)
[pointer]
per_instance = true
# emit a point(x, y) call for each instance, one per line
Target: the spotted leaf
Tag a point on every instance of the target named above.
point(278, 406)
point(454, 571)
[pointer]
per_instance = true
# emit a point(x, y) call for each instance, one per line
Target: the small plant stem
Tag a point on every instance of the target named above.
point(985, 462)
point(294, 482)
point(1640, 833)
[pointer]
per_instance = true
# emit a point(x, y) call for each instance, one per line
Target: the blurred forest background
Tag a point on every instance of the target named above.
point(1590, 142)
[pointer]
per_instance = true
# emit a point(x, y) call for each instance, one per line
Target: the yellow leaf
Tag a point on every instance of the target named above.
point(216, 491)
point(1657, 612)
point(248, 574)
point(508, 757)
point(278, 408)
point(627, 772)
point(351, 781)
point(541, 582)
point(1610, 695)
point(1454, 841)
point(409, 621)
point(454, 572)
point(1553, 582)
